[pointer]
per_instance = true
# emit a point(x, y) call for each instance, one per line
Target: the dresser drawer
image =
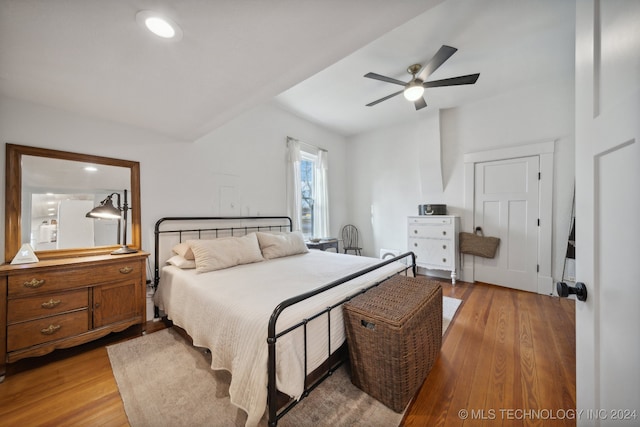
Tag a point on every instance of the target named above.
point(437, 253)
point(26, 334)
point(22, 309)
point(37, 282)
point(430, 220)
point(430, 231)
point(115, 272)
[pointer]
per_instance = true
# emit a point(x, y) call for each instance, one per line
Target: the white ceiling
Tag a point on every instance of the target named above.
point(91, 57)
point(511, 43)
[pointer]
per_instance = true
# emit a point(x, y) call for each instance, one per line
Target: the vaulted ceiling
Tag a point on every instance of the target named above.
point(91, 57)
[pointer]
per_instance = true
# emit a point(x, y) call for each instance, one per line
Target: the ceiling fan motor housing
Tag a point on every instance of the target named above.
point(413, 69)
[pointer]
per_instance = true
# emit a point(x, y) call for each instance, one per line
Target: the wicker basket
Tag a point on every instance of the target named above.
point(478, 245)
point(394, 335)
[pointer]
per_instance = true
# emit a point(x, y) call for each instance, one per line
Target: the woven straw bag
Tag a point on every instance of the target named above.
point(479, 245)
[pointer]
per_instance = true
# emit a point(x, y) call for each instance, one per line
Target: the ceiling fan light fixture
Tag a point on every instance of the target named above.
point(413, 91)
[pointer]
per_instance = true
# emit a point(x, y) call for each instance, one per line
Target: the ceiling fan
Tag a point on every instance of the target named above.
point(414, 89)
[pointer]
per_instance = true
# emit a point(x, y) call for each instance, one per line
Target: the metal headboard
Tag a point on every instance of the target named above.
point(197, 227)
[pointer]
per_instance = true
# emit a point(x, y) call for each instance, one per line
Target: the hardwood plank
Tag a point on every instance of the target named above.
point(67, 387)
point(507, 359)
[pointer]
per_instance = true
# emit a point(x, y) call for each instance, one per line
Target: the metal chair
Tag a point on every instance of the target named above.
point(350, 239)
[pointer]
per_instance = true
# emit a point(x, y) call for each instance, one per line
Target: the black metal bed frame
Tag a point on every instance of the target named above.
point(272, 335)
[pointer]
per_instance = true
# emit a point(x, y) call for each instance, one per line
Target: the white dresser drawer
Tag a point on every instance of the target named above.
point(439, 232)
point(434, 252)
point(430, 220)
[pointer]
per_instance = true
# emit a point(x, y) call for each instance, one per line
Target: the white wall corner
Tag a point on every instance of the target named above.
point(545, 242)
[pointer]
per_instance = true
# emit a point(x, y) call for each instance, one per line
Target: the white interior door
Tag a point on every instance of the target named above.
point(506, 206)
point(607, 211)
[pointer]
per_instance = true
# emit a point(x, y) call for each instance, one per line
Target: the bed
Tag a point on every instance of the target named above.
point(274, 322)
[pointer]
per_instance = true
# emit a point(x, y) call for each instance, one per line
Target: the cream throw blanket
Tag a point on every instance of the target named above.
point(227, 311)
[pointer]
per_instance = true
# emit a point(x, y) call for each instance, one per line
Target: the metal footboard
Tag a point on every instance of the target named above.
point(272, 336)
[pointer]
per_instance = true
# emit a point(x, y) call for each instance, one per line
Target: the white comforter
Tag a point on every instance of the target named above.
point(227, 311)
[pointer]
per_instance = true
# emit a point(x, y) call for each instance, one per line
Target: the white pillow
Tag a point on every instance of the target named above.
point(225, 252)
point(180, 262)
point(276, 245)
point(184, 250)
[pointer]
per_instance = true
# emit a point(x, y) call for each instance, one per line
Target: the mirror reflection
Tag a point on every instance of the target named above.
point(56, 196)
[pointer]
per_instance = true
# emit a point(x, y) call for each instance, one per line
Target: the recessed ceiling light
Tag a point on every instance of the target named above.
point(159, 25)
point(90, 168)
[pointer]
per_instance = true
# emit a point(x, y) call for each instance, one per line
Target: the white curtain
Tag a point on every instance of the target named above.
point(321, 197)
point(294, 202)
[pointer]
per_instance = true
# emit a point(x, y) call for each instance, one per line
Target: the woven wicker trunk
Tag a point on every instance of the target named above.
point(394, 335)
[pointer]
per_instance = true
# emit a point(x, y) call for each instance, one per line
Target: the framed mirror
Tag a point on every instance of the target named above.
point(49, 192)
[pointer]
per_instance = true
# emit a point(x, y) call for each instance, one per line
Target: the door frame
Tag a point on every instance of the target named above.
point(545, 151)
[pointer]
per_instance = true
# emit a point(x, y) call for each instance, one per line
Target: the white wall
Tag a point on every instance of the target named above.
point(385, 181)
point(375, 178)
point(385, 170)
point(184, 178)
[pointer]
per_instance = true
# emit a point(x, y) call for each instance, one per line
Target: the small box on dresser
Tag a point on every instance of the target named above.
point(61, 303)
point(434, 241)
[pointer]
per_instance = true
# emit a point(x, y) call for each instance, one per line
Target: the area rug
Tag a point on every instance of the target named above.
point(165, 381)
point(449, 308)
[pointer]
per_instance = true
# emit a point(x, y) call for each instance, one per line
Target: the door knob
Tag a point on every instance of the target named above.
point(580, 290)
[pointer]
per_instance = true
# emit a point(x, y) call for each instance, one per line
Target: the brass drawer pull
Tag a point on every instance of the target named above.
point(126, 270)
point(34, 283)
point(51, 303)
point(52, 329)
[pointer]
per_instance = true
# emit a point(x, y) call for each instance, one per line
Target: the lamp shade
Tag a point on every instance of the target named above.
point(106, 210)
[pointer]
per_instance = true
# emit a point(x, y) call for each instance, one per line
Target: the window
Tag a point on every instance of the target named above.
point(307, 189)
point(307, 172)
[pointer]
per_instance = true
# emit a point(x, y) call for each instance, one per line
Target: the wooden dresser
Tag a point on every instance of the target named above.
point(61, 303)
point(434, 240)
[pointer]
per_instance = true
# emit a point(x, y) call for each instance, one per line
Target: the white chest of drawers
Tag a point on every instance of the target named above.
point(434, 240)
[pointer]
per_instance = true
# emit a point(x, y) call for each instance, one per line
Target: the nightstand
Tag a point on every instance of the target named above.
point(323, 244)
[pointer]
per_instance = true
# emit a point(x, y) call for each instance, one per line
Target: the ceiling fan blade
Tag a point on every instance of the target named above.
point(438, 59)
point(384, 78)
point(371, 104)
point(420, 103)
point(453, 81)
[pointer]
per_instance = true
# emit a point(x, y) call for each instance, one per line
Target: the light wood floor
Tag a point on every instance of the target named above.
point(506, 353)
point(507, 359)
